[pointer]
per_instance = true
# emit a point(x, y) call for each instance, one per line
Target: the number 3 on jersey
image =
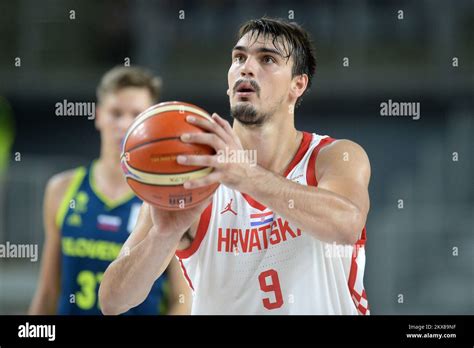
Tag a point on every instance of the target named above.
point(273, 285)
point(86, 298)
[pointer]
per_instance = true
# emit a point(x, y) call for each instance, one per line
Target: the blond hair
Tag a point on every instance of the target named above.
point(123, 77)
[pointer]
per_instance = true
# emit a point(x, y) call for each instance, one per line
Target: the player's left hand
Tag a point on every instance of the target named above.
point(223, 139)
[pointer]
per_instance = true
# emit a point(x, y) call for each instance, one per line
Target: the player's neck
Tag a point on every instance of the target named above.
point(276, 142)
point(110, 167)
point(108, 176)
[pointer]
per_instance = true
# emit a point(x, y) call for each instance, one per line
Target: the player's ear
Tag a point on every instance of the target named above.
point(228, 92)
point(298, 85)
point(97, 118)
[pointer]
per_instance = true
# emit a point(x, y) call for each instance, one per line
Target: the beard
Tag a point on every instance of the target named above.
point(246, 114)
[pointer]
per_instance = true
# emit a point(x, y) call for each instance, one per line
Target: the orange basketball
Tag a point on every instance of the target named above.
point(149, 152)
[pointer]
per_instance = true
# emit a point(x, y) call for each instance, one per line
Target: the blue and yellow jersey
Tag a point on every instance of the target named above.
point(93, 229)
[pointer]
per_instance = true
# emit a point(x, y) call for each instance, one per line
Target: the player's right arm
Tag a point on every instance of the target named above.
point(47, 292)
point(145, 255)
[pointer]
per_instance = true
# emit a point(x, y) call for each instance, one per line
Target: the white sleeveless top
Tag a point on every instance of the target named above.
point(246, 259)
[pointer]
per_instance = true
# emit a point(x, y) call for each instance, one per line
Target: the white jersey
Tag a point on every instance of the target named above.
point(246, 259)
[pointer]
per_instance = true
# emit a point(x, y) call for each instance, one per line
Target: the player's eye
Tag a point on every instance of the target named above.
point(116, 114)
point(238, 58)
point(268, 59)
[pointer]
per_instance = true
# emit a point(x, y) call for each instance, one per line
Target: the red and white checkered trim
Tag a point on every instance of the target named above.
point(361, 302)
point(356, 275)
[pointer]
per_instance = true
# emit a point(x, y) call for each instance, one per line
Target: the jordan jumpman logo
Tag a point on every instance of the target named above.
point(229, 208)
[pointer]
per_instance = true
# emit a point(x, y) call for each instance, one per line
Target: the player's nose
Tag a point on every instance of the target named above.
point(126, 122)
point(248, 68)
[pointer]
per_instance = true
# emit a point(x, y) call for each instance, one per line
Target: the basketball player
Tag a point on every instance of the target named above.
point(285, 236)
point(89, 213)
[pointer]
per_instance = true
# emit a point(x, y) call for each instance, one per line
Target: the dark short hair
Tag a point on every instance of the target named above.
point(298, 43)
point(123, 77)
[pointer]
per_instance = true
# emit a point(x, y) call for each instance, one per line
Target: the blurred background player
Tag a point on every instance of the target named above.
point(90, 211)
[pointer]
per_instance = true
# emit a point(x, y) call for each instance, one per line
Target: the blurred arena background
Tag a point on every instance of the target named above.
point(423, 251)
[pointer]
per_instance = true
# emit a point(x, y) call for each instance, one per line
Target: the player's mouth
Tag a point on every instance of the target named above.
point(245, 90)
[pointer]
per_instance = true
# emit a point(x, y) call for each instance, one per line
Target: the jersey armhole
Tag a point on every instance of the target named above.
point(312, 181)
point(311, 169)
point(70, 192)
point(201, 231)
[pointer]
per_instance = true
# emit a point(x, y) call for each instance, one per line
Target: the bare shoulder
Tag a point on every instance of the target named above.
point(59, 182)
point(343, 154)
point(57, 186)
point(342, 147)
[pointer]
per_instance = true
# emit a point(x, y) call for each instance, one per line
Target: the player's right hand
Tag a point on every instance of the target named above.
point(176, 222)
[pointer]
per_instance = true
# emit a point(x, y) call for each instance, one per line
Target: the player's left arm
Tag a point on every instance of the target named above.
point(334, 211)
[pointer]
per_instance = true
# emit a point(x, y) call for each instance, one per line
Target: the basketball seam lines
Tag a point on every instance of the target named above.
point(150, 142)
